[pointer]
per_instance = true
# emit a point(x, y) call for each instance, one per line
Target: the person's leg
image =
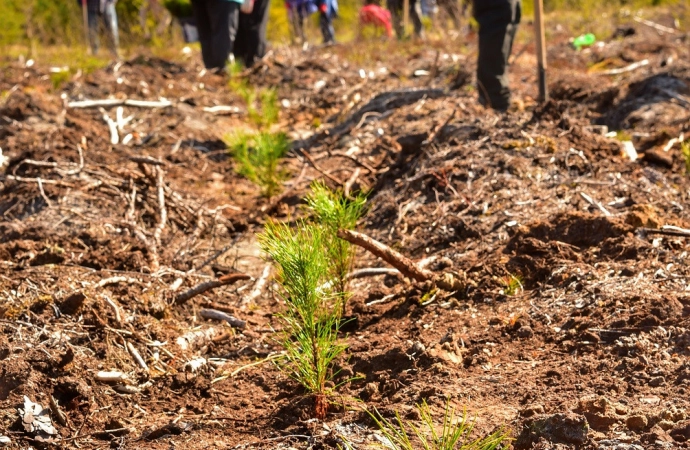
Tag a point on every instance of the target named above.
point(395, 7)
point(225, 16)
point(252, 33)
point(92, 17)
point(110, 18)
point(327, 30)
point(416, 20)
point(498, 21)
point(203, 26)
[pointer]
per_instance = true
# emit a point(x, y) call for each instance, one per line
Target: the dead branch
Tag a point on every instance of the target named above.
point(355, 160)
point(351, 181)
point(214, 314)
point(259, 286)
point(318, 169)
point(667, 230)
point(222, 109)
point(595, 203)
point(197, 338)
point(116, 309)
point(395, 259)
point(434, 133)
point(137, 356)
point(112, 126)
point(146, 160)
point(230, 278)
point(161, 207)
point(115, 280)
point(654, 25)
point(372, 272)
point(628, 68)
point(110, 102)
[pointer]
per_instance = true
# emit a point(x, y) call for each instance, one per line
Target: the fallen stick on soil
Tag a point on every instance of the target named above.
point(43, 192)
point(318, 169)
point(629, 68)
point(667, 230)
point(116, 309)
point(115, 280)
point(259, 285)
point(351, 181)
point(39, 180)
point(79, 168)
point(654, 25)
point(111, 377)
point(595, 203)
point(137, 356)
point(146, 160)
point(208, 285)
point(395, 259)
point(355, 160)
point(160, 185)
point(197, 338)
point(214, 314)
point(434, 133)
point(221, 109)
point(119, 102)
point(114, 136)
point(372, 272)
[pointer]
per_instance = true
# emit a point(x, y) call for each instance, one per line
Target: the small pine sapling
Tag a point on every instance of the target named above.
point(258, 156)
point(453, 434)
point(312, 316)
point(333, 211)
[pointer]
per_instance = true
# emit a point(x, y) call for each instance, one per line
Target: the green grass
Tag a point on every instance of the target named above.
point(454, 433)
point(333, 211)
point(258, 158)
point(312, 316)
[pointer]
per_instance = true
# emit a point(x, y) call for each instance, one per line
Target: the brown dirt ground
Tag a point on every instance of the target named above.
point(590, 352)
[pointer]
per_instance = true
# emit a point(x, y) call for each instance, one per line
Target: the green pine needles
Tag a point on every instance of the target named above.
point(454, 433)
point(312, 317)
point(258, 157)
point(333, 211)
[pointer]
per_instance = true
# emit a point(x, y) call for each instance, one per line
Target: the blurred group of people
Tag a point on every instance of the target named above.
point(236, 29)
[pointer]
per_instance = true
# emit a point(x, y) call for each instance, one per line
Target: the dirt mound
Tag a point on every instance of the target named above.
point(570, 315)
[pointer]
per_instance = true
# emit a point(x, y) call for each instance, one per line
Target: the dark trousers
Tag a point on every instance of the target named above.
point(251, 34)
point(498, 21)
point(396, 8)
point(217, 23)
point(109, 19)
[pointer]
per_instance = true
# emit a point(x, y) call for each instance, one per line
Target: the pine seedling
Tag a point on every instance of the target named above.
point(258, 156)
point(333, 211)
point(312, 317)
point(453, 434)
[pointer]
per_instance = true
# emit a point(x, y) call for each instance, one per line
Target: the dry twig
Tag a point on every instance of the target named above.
point(395, 259)
point(230, 278)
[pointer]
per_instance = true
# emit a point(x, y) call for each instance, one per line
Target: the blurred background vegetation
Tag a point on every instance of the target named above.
point(34, 24)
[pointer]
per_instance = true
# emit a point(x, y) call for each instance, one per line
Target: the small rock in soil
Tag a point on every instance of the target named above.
point(562, 428)
point(613, 444)
point(681, 432)
point(656, 435)
point(525, 332)
point(532, 410)
point(636, 422)
point(370, 390)
point(599, 411)
point(417, 348)
point(657, 381)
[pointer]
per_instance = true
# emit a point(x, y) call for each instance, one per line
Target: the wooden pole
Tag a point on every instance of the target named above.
point(541, 49)
point(85, 17)
point(406, 16)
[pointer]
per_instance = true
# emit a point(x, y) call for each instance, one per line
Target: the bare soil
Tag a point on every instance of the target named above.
point(588, 350)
